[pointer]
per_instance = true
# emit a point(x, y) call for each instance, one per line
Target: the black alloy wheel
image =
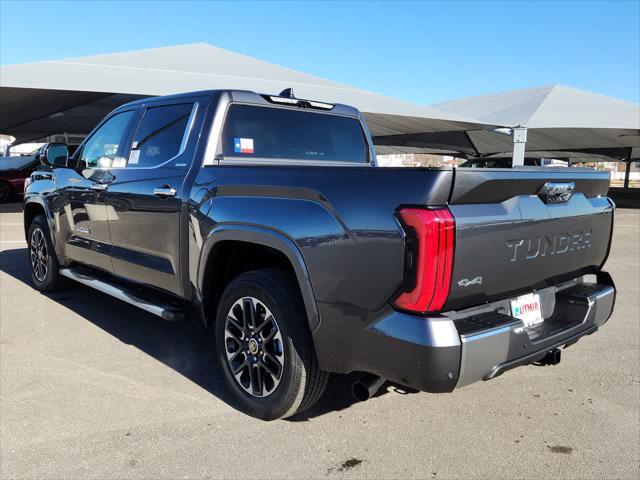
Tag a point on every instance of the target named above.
point(264, 345)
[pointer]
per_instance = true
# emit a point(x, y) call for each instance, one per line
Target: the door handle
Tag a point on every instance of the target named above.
point(101, 187)
point(164, 192)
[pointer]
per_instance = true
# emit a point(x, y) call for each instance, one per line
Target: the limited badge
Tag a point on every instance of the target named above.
point(243, 145)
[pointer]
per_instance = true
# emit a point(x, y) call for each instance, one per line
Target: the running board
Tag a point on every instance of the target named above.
point(166, 312)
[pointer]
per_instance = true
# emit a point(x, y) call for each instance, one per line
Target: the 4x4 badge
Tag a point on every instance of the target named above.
point(465, 282)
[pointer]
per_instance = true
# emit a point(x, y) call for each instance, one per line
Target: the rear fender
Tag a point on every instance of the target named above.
point(268, 238)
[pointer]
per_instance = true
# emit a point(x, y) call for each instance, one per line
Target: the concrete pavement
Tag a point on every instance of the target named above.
point(93, 388)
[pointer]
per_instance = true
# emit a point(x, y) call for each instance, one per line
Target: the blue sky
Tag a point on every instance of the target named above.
point(423, 52)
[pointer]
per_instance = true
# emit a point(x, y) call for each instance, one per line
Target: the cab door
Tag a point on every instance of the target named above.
point(84, 224)
point(146, 198)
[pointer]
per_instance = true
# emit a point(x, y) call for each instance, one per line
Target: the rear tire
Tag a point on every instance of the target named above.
point(43, 263)
point(264, 346)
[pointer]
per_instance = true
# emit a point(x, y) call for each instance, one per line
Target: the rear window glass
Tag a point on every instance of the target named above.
point(264, 132)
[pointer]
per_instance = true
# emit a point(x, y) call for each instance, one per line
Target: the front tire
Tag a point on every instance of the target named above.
point(43, 263)
point(264, 346)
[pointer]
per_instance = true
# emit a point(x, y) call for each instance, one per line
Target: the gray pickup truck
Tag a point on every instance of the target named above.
point(265, 217)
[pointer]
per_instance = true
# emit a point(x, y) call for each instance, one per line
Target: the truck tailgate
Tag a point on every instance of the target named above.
point(511, 238)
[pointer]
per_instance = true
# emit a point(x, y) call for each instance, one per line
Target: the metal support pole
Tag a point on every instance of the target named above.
point(627, 173)
point(519, 143)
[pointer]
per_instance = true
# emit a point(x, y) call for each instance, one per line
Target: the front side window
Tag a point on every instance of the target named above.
point(160, 135)
point(101, 150)
point(279, 133)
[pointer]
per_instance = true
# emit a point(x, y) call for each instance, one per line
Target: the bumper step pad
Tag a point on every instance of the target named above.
point(493, 343)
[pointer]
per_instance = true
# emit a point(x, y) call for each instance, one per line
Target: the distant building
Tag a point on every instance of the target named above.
point(418, 160)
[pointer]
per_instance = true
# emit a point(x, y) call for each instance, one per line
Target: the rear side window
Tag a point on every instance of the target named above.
point(264, 132)
point(160, 135)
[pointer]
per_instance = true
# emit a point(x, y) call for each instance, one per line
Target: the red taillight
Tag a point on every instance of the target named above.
point(434, 230)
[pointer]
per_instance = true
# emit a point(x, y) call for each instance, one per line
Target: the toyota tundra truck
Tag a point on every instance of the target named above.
point(266, 218)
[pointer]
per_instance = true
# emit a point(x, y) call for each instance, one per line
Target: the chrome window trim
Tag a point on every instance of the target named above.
point(215, 132)
point(183, 143)
point(187, 132)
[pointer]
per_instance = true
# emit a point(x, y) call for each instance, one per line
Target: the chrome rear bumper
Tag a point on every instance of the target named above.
point(449, 350)
point(493, 343)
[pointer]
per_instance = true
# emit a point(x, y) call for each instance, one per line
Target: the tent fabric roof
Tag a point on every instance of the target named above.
point(552, 106)
point(85, 89)
point(488, 142)
point(31, 114)
point(557, 118)
point(200, 66)
point(558, 139)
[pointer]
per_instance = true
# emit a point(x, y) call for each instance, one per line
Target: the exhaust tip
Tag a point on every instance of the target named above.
point(360, 392)
point(366, 387)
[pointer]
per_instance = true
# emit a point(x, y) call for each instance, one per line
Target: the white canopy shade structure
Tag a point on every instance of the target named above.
point(551, 118)
point(72, 95)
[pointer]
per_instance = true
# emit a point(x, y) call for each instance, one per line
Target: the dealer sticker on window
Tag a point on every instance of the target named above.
point(243, 145)
point(527, 308)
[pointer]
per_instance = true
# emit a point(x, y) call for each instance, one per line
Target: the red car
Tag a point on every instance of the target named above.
point(13, 172)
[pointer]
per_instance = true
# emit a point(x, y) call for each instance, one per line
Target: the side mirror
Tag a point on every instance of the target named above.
point(55, 154)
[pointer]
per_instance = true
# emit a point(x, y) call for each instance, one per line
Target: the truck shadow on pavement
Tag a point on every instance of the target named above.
point(186, 347)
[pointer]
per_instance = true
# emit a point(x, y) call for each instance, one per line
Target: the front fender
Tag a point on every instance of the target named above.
point(38, 199)
point(269, 238)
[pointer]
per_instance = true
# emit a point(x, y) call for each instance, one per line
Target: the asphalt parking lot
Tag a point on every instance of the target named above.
point(93, 388)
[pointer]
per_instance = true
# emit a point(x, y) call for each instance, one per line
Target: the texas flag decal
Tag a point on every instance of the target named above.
point(243, 145)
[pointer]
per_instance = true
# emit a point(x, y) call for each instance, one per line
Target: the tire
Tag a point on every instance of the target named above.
point(43, 263)
point(5, 192)
point(261, 389)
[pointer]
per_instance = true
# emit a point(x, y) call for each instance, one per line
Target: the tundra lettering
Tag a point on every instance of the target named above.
point(554, 244)
point(264, 219)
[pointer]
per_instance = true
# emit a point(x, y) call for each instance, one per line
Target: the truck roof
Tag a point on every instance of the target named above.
point(246, 96)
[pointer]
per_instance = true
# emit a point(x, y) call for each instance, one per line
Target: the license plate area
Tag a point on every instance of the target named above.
point(528, 309)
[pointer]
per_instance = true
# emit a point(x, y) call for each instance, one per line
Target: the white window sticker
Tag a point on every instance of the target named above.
point(119, 162)
point(134, 156)
point(152, 151)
